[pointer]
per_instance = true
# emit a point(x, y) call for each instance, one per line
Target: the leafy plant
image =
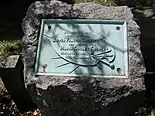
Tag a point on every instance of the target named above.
point(10, 47)
point(152, 113)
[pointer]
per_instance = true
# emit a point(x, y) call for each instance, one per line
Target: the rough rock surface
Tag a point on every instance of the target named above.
point(69, 96)
point(7, 106)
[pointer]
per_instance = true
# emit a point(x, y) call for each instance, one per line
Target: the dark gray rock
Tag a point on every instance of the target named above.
point(70, 96)
point(12, 86)
point(7, 106)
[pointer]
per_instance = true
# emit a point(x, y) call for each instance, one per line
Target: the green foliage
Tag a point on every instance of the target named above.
point(103, 2)
point(10, 47)
point(152, 113)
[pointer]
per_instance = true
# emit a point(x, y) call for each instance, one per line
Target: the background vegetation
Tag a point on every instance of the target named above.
point(10, 47)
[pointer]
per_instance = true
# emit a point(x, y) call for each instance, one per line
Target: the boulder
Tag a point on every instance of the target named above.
point(78, 96)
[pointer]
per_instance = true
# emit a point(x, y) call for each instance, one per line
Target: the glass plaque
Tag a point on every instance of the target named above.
point(82, 47)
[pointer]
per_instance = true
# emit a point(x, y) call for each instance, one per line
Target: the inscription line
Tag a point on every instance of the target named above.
point(56, 58)
point(48, 36)
point(63, 64)
point(75, 68)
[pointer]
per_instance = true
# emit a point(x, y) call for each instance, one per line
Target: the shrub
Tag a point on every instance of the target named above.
point(10, 47)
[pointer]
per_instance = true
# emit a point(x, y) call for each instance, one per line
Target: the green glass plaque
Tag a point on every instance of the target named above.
point(82, 47)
